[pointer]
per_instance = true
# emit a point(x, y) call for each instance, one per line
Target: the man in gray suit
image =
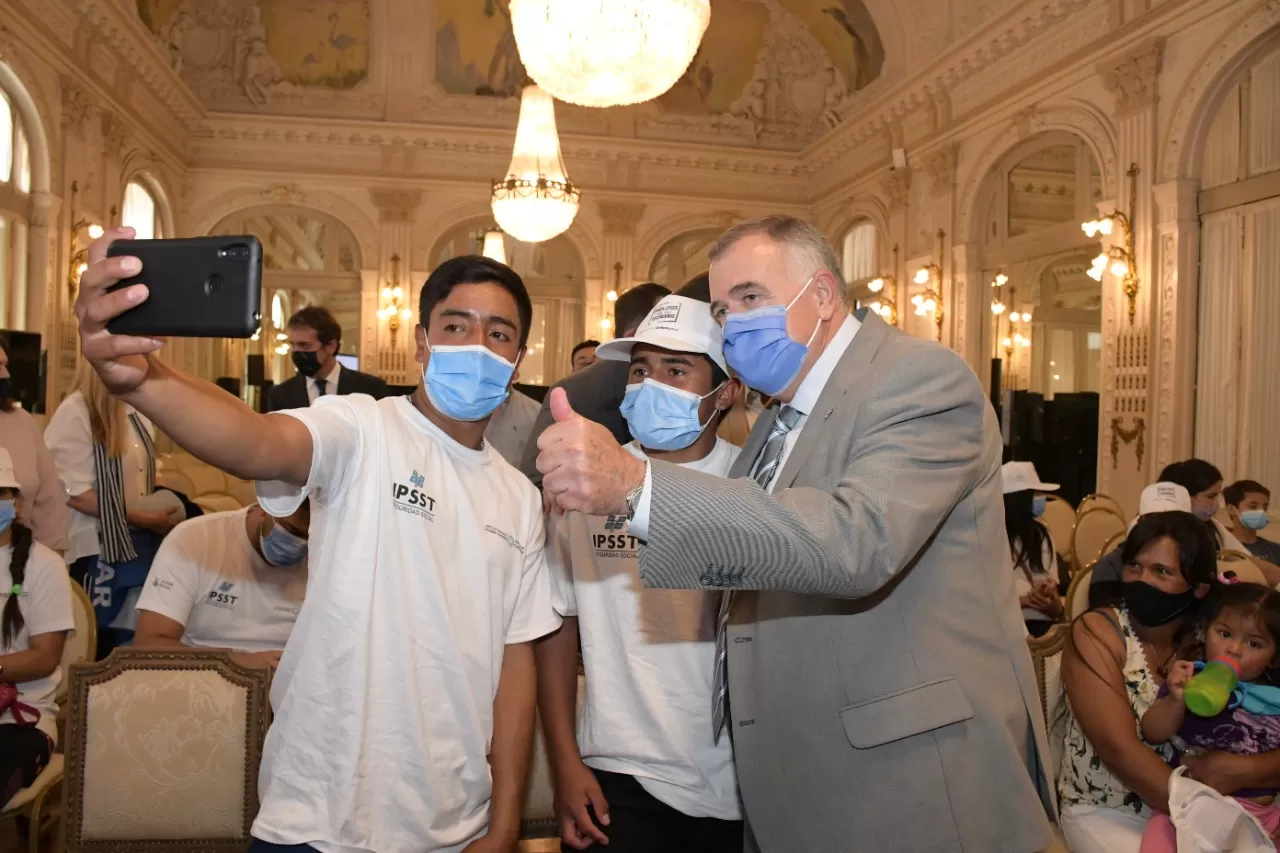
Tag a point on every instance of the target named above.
point(880, 694)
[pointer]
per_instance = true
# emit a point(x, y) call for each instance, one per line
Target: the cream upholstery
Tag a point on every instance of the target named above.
point(177, 481)
point(1103, 501)
point(1060, 518)
point(1094, 528)
point(205, 479)
point(217, 502)
point(1046, 659)
point(82, 644)
point(1078, 594)
point(242, 491)
point(1243, 566)
point(163, 751)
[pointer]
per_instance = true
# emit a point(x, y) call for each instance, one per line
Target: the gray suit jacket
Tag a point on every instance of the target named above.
point(882, 698)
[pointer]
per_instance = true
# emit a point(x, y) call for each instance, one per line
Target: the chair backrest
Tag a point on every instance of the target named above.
point(1060, 518)
point(1046, 660)
point(162, 752)
point(242, 491)
point(1100, 500)
point(82, 645)
point(1094, 528)
point(1113, 543)
point(1242, 565)
point(177, 481)
point(205, 479)
point(217, 502)
point(1078, 593)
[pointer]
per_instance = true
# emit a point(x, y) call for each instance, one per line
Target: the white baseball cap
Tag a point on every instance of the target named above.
point(676, 323)
point(8, 479)
point(1021, 476)
point(1164, 497)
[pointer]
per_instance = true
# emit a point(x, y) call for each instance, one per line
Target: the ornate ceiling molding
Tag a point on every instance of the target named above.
point(1134, 80)
point(1253, 34)
point(620, 218)
point(953, 67)
point(395, 204)
point(648, 246)
point(117, 25)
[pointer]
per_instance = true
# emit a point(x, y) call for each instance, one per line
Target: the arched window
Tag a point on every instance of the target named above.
point(140, 211)
point(15, 185)
point(860, 253)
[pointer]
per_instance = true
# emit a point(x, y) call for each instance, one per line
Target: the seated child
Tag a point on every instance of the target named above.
point(1240, 623)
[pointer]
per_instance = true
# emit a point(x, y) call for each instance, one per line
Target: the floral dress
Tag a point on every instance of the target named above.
point(1084, 779)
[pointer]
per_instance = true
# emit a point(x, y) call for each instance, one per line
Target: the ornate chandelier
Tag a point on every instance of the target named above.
point(536, 201)
point(607, 53)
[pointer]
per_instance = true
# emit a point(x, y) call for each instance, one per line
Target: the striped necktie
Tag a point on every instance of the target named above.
point(766, 466)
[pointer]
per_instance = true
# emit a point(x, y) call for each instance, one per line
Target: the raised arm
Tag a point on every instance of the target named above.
point(198, 415)
point(1091, 671)
point(918, 452)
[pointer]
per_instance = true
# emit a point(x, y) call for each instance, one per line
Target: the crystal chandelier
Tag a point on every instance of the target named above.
point(536, 201)
point(607, 53)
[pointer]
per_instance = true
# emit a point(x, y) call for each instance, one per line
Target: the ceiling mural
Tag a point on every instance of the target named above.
point(262, 50)
point(767, 70)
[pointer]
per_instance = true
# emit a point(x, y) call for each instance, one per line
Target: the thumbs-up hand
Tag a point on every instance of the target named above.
point(583, 467)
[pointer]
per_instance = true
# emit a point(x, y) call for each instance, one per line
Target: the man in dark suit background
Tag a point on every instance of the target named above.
point(596, 391)
point(315, 337)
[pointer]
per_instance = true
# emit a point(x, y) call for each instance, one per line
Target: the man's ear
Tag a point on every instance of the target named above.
point(420, 344)
point(830, 295)
point(728, 395)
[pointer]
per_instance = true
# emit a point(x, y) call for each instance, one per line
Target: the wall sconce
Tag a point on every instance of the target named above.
point(931, 299)
point(1119, 256)
point(494, 247)
point(997, 306)
point(79, 254)
point(394, 310)
point(884, 304)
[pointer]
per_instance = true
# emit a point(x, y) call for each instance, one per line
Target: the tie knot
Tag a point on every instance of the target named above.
point(789, 417)
point(321, 384)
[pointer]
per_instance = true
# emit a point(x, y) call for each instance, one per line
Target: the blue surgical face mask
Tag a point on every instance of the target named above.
point(1038, 503)
point(661, 417)
point(467, 383)
point(1254, 519)
point(281, 548)
point(8, 512)
point(760, 351)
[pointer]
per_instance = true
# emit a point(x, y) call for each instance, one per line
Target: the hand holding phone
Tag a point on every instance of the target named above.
point(207, 287)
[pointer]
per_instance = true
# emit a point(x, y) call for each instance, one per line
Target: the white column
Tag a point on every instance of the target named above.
point(1124, 458)
point(392, 356)
point(1175, 293)
point(619, 219)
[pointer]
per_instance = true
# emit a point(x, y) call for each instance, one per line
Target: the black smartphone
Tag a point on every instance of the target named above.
point(200, 287)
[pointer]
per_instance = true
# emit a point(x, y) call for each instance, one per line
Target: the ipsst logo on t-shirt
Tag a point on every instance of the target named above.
point(412, 499)
point(221, 596)
point(613, 540)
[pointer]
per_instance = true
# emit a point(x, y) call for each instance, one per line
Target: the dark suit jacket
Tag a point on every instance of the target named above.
point(292, 393)
point(595, 392)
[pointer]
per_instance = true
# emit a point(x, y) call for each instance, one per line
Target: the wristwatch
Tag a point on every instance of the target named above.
point(633, 496)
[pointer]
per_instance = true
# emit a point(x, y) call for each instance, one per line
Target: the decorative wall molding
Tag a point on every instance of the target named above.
point(1253, 35)
point(652, 241)
point(115, 136)
point(1076, 117)
point(942, 170)
point(364, 229)
point(620, 218)
point(1134, 80)
point(896, 187)
point(396, 205)
point(75, 105)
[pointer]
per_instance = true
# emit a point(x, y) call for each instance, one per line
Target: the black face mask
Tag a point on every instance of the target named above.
point(308, 363)
point(1154, 607)
point(6, 388)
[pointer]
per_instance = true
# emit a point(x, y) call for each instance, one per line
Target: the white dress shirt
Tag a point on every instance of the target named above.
point(330, 382)
point(806, 397)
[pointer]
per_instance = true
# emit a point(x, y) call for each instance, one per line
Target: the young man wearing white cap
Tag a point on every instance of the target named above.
point(645, 772)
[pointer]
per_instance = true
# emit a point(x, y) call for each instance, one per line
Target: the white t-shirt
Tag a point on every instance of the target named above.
point(649, 656)
point(70, 442)
point(1022, 584)
point(46, 605)
point(209, 577)
point(426, 560)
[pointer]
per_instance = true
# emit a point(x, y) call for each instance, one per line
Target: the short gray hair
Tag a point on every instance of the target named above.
point(810, 252)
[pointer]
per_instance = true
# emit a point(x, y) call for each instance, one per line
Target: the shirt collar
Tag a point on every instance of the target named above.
point(806, 396)
point(331, 381)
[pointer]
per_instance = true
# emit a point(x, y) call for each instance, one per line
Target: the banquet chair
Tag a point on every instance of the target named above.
point(162, 752)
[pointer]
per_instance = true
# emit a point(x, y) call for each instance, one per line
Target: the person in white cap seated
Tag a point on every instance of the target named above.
point(35, 617)
point(228, 580)
point(644, 770)
point(1035, 559)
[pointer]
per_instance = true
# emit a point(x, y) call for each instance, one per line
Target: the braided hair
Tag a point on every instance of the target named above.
point(11, 620)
